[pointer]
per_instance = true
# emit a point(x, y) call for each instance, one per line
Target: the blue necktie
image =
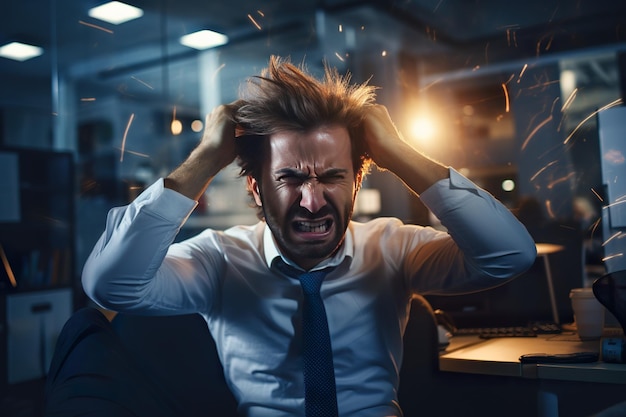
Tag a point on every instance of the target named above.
point(320, 397)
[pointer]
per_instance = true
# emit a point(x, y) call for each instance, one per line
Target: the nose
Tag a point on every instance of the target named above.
point(312, 196)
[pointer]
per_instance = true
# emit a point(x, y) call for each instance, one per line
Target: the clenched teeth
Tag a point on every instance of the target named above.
point(313, 227)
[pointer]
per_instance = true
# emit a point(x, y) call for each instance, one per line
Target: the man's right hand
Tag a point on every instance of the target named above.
point(215, 151)
point(218, 137)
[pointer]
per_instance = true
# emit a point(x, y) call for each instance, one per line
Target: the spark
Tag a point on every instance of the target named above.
point(540, 85)
point(617, 202)
point(597, 195)
point(260, 13)
point(608, 106)
point(595, 225)
point(339, 56)
point(91, 25)
point(217, 71)
point(506, 98)
point(542, 169)
point(88, 99)
point(384, 53)
point(508, 35)
point(437, 6)
point(549, 209)
point(617, 255)
point(254, 22)
point(340, 28)
point(142, 82)
point(130, 121)
point(142, 155)
point(521, 73)
point(569, 100)
point(615, 236)
point(560, 180)
point(535, 130)
point(7, 267)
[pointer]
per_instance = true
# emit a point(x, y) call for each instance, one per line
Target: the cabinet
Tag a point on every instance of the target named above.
point(37, 195)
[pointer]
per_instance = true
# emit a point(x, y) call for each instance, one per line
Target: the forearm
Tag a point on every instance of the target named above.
point(414, 169)
point(215, 151)
point(493, 242)
point(193, 176)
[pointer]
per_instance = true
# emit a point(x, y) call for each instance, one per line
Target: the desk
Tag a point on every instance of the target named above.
point(500, 357)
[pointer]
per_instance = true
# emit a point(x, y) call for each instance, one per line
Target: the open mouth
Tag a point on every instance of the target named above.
point(321, 226)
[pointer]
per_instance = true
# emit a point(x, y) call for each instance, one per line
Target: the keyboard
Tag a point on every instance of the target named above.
point(532, 330)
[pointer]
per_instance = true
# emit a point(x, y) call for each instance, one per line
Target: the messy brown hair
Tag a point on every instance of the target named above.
point(286, 97)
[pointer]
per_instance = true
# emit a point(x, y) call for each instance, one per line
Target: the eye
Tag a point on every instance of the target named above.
point(292, 179)
point(331, 179)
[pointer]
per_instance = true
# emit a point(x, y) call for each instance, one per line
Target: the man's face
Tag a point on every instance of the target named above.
point(307, 192)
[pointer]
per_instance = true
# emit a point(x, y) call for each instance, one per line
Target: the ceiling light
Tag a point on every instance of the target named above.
point(20, 51)
point(204, 39)
point(115, 12)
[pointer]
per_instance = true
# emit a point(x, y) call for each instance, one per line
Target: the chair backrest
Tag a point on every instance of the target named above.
point(420, 365)
point(610, 290)
point(179, 355)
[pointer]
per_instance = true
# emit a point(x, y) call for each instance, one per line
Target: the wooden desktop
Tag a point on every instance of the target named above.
point(558, 386)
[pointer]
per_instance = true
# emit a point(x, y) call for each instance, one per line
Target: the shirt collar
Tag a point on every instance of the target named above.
point(346, 250)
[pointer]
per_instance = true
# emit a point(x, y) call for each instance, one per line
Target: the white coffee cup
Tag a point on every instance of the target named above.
point(588, 313)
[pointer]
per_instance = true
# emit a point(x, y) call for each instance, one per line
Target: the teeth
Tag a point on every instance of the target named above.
point(318, 227)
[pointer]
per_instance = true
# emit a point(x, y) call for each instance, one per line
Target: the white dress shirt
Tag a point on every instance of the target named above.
point(252, 309)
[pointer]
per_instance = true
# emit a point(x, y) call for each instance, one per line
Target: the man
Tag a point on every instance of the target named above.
point(304, 146)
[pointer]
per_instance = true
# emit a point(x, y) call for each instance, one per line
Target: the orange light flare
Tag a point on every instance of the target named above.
point(339, 56)
point(535, 130)
point(617, 202)
point(7, 267)
point(254, 22)
point(569, 100)
point(560, 180)
point(88, 99)
point(616, 235)
point(549, 209)
point(548, 165)
point(260, 13)
point(594, 226)
point(547, 47)
point(607, 258)
point(122, 149)
point(506, 98)
point(91, 25)
point(597, 195)
point(608, 106)
point(521, 73)
point(511, 35)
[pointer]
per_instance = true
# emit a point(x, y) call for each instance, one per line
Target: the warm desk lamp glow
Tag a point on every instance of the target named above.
point(543, 250)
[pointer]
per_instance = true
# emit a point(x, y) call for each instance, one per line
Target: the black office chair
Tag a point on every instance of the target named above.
point(168, 366)
point(136, 366)
point(419, 393)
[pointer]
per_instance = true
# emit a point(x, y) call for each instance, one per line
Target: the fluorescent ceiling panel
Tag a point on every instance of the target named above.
point(20, 51)
point(115, 12)
point(204, 39)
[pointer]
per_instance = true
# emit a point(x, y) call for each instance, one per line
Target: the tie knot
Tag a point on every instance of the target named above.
point(312, 281)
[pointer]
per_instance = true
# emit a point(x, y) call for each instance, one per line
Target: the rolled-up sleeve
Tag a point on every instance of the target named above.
point(494, 244)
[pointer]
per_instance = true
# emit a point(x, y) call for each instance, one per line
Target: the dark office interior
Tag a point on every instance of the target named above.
point(509, 93)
